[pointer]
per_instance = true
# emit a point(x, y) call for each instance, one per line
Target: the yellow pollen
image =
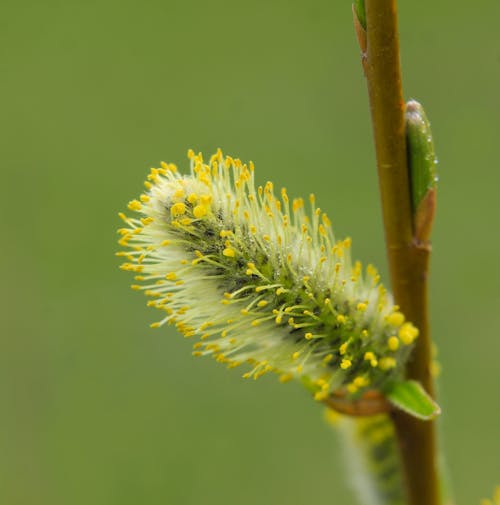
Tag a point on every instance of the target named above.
point(286, 377)
point(178, 209)
point(345, 364)
point(321, 395)
point(199, 211)
point(135, 205)
point(179, 193)
point(206, 199)
point(393, 343)
point(387, 363)
point(361, 382)
point(192, 198)
point(408, 333)
point(396, 319)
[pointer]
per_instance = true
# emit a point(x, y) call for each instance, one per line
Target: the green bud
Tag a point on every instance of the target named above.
point(422, 163)
point(359, 9)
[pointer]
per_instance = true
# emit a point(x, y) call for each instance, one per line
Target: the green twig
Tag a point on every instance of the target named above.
point(408, 258)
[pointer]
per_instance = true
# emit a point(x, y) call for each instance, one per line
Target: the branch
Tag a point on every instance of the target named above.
point(408, 259)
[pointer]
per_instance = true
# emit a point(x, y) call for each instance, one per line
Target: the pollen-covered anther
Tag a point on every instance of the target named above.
point(178, 209)
point(345, 364)
point(408, 333)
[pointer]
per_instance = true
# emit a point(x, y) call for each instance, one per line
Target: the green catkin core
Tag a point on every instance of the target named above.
point(259, 280)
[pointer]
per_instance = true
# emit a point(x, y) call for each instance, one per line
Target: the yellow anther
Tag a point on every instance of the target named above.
point(178, 209)
point(321, 395)
point(206, 199)
point(352, 388)
point(386, 363)
point(255, 322)
point(253, 229)
point(179, 193)
point(286, 377)
point(340, 318)
point(267, 238)
point(361, 382)
point(284, 195)
point(393, 343)
point(369, 356)
point(262, 303)
point(171, 276)
point(325, 220)
point(295, 355)
point(312, 198)
point(146, 220)
point(328, 358)
point(361, 306)
point(155, 325)
point(396, 319)
point(308, 336)
point(280, 291)
point(199, 211)
point(345, 364)
point(343, 348)
point(249, 271)
point(192, 198)
point(135, 287)
point(408, 333)
point(144, 198)
point(229, 252)
point(297, 204)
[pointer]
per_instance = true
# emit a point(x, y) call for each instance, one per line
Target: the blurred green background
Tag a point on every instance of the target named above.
point(98, 409)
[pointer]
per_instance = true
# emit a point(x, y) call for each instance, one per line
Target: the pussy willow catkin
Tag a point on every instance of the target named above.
point(259, 281)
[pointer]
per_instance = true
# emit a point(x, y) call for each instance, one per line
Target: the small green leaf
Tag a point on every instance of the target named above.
point(422, 159)
point(359, 9)
point(411, 397)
